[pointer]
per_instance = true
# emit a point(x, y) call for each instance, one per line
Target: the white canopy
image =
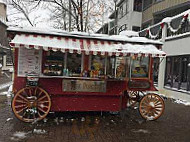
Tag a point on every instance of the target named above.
point(88, 46)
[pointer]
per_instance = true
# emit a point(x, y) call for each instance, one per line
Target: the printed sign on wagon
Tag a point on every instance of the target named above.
point(83, 86)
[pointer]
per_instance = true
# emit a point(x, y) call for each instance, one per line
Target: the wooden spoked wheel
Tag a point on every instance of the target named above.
point(31, 104)
point(151, 106)
point(133, 97)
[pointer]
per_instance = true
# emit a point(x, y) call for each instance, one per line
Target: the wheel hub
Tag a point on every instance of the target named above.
point(32, 102)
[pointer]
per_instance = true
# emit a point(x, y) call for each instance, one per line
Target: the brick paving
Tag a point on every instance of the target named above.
point(5, 80)
point(127, 126)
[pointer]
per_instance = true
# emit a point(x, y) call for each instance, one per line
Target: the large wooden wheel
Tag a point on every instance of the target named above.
point(31, 104)
point(151, 106)
point(133, 97)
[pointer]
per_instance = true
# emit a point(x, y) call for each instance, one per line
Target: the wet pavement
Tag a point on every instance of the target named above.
point(126, 126)
point(5, 81)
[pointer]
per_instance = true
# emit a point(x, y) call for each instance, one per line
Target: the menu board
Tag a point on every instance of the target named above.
point(29, 61)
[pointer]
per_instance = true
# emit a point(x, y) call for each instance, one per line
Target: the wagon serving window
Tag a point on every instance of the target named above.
point(117, 67)
point(97, 66)
point(53, 63)
point(74, 61)
point(139, 67)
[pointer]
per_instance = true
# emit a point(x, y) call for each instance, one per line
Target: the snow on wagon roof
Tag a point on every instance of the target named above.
point(84, 35)
point(77, 42)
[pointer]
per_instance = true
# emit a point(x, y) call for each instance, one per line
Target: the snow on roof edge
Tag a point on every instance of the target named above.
point(3, 2)
point(57, 32)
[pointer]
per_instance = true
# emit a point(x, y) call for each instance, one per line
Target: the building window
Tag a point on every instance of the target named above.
point(146, 24)
point(146, 4)
point(177, 75)
point(184, 72)
point(136, 29)
point(121, 12)
point(176, 72)
point(137, 5)
point(127, 6)
point(157, 1)
point(168, 73)
point(123, 28)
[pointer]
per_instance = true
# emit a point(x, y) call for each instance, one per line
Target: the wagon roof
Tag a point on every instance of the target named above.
point(85, 43)
point(84, 35)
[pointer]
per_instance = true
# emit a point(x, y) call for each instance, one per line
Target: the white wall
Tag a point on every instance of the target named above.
point(136, 19)
point(174, 47)
point(177, 46)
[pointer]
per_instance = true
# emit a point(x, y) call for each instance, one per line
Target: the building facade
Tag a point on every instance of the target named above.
point(168, 21)
point(5, 53)
point(173, 74)
point(156, 10)
point(139, 14)
point(128, 16)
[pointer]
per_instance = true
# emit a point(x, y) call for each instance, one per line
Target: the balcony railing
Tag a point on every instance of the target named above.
point(174, 26)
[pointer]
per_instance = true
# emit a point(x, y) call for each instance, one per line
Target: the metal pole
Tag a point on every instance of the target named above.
point(115, 17)
point(69, 15)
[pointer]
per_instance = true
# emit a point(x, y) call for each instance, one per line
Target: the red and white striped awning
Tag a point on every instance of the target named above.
point(87, 46)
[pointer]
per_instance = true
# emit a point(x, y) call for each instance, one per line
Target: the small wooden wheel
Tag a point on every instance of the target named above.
point(133, 97)
point(151, 106)
point(31, 104)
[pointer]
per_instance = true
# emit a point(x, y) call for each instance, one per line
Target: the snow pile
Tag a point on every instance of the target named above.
point(11, 70)
point(3, 93)
point(39, 131)
point(61, 120)
point(129, 33)
point(141, 131)
point(167, 20)
point(6, 85)
point(150, 118)
point(45, 120)
point(83, 35)
point(95, 47)
point(19, 135)
point(3, 1)
point(8, 119)
point(82, 119)
point(9, 93)
point(182, 102)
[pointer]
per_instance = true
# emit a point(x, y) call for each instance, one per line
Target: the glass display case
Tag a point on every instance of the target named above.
point(53, 63)
point(139, 67)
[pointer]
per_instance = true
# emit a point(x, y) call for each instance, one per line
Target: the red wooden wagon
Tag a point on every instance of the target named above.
point(61, 71)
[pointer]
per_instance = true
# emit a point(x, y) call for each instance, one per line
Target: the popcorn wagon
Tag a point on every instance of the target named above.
point(62, 71)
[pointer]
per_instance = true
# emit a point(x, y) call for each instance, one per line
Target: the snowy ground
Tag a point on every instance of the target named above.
point(98, 127)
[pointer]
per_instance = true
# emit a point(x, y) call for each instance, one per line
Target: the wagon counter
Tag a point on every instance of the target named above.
point(60, 71)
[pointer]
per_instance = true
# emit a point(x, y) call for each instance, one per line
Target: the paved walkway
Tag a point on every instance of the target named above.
point(5, 81)
point(127, 126)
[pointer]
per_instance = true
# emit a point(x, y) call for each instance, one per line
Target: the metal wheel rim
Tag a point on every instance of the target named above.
point(151, 106)
point(132, 95)
point(31, 104)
